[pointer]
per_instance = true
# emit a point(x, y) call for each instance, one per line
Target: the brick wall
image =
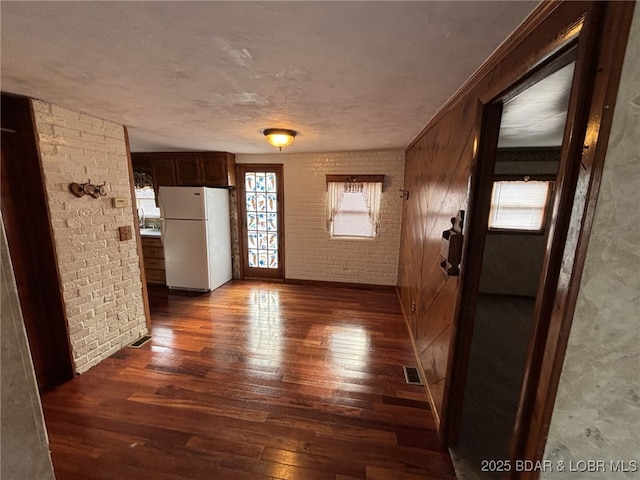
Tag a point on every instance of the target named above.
point(310, 254)
point(99, 274)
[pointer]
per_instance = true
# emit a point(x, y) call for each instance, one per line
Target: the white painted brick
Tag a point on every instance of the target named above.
point(90, 119)
point(41, 107)
point(92, 139)
point(77, 147)
point(98, 172)
point(69, 151)
point(62, 133)
point(48, 149)
point(310, 253)
point(64, 113)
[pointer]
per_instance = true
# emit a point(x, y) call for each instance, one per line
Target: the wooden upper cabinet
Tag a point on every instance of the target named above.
point(188, 169)
point(210, 169)
point(163, 171)
point(214, 170)
point(160, 165)
point(219, 169)
point(141, 161)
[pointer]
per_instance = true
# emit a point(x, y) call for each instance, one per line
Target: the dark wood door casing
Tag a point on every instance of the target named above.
point(29, 236)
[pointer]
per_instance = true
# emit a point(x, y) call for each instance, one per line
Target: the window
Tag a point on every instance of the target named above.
point(353, 208)
point(519, 205)
point(146, 201)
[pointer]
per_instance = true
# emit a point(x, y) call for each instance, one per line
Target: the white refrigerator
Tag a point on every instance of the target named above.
point(196, 236)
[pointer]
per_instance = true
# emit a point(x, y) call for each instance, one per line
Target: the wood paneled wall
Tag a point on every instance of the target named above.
point(437, 170)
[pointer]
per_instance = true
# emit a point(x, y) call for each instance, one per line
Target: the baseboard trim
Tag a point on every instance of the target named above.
point(358, 286)
point(434, 410)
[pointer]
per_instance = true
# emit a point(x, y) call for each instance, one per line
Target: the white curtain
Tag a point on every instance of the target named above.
point(336, 194)
point(371, 193)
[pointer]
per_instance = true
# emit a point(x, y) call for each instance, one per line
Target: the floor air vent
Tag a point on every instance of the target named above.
point(412, 376)
point(141, 341)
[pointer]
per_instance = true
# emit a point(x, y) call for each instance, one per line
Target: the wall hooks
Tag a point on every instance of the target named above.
point(82, 189)
point(404, 194)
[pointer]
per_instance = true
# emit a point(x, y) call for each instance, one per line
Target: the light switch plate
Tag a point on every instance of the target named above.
point(119, 202)
point(125, 233)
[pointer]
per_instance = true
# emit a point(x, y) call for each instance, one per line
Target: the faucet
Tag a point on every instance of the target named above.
point(141, 218)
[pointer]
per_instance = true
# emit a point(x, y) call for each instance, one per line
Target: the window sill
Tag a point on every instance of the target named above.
point(352, 238)
point(509, 231)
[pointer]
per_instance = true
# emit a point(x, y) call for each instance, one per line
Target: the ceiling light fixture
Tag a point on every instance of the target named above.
point(279, 137)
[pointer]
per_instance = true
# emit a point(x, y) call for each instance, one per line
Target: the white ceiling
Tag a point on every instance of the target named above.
point(537, 116)
point(210, 75)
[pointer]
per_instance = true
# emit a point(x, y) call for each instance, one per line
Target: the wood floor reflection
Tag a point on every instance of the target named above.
point(253, 381)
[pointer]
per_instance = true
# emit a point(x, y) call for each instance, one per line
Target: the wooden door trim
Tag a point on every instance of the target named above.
point(136, 223)
point(26, 197)
point(241, 168)
point(488, 118)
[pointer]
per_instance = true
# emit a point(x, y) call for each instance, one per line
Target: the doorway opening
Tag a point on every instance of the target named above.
point(524, 138)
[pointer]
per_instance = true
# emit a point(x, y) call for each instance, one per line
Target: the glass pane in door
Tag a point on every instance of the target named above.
point(261, 201)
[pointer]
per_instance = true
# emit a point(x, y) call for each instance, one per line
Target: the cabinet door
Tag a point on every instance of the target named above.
point(214, 170)
point(163, 170)
point(188, 170)
point(142, 170)
point(219, 169)
point(141, 161)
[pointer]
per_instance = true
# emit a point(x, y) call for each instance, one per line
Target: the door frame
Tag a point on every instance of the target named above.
point(241, 169)
point(32, 246)
point(600, 46)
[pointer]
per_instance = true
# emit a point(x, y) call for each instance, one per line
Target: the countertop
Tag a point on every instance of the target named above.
point(150, 232)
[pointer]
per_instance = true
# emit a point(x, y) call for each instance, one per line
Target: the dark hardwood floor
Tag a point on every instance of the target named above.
point(253, 381)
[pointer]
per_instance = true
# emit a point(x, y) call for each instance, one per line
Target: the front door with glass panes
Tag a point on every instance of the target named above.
point(260, 198)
